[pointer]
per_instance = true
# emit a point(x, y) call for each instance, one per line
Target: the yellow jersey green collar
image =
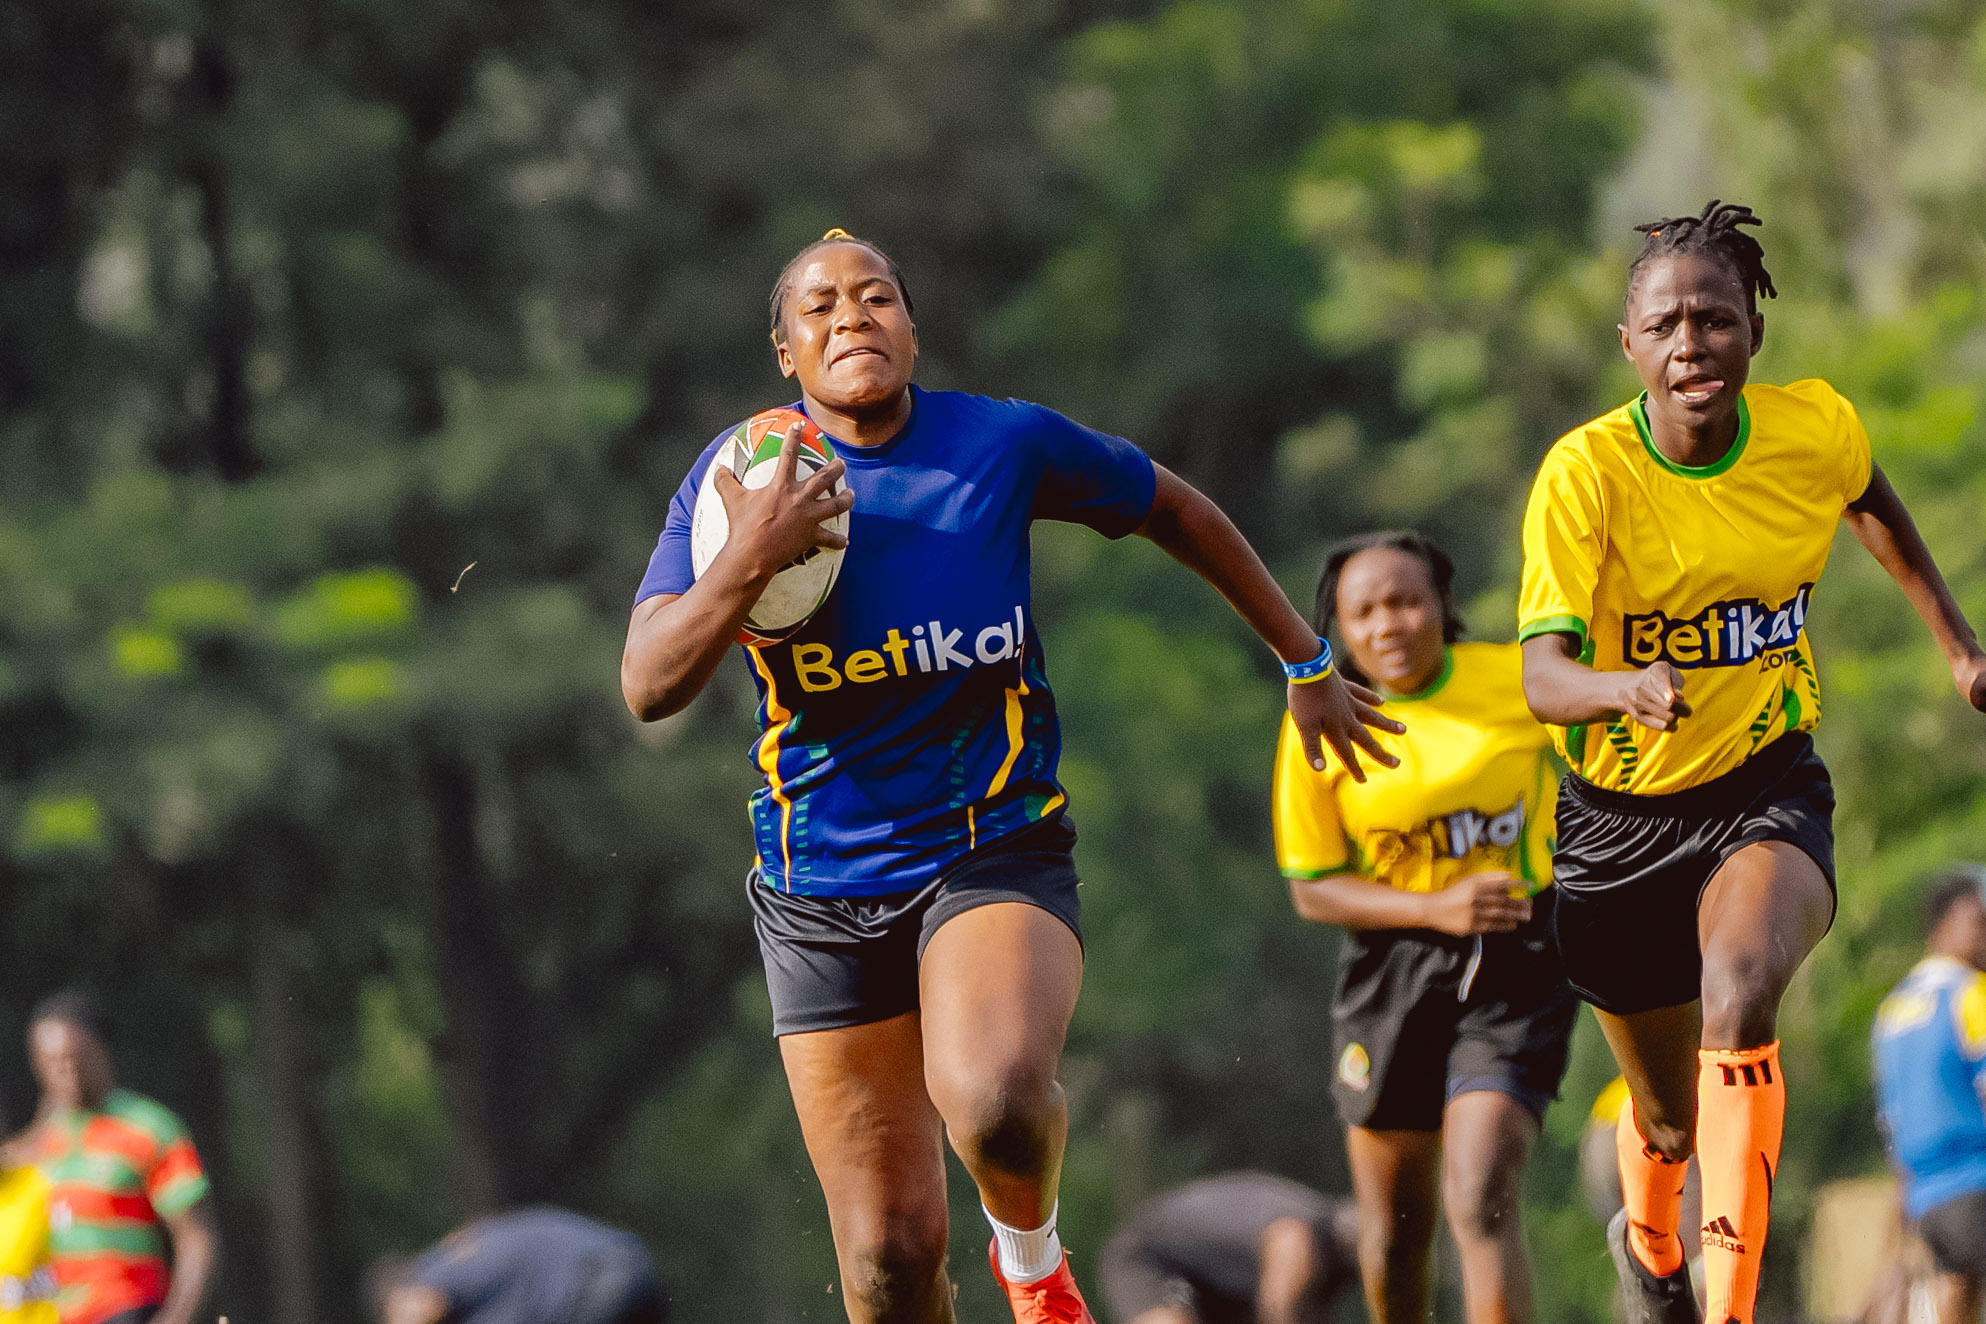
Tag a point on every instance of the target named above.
point(1433, 687)
point(1638, 411)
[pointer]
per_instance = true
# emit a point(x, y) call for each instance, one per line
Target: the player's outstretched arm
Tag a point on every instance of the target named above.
point(1564, 691)
point(1194, 532)
point(675, 641)
point(1884, 526)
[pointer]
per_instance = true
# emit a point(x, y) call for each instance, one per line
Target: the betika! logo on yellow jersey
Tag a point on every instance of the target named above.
point(1726, 634)
point(1475, 789)
point(932, 647)
point(1638, 559)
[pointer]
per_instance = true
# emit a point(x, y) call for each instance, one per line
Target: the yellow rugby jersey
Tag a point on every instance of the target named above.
point(1710, 569)
point(27, 1286)
point(1476, 787)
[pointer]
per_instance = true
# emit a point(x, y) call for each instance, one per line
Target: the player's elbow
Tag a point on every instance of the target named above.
point(1312, 903)
point(647, 699)
point(1541, 696)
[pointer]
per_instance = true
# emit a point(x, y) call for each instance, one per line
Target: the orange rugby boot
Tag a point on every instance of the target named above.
point(1050, 1300)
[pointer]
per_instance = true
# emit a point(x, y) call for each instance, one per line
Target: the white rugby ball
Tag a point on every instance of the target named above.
point(752, 454)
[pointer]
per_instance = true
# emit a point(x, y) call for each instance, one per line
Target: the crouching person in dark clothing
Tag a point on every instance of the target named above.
point(529, 1266)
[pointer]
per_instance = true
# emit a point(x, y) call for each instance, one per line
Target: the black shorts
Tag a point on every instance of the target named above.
point(1420, 1017)
point(832, 962)
point(1631, 869)
point(1956, 1233)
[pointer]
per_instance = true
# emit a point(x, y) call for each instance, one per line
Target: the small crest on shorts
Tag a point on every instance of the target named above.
point(1355, 1067)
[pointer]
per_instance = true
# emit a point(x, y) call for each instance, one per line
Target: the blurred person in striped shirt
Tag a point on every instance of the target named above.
point(125, 1184)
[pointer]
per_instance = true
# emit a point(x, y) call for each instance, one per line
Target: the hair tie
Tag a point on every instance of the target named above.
point(836, 233)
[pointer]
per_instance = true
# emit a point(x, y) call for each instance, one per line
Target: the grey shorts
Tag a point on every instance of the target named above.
point(832, 962)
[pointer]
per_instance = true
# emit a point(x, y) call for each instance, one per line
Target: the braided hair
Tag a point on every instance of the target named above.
point(1440, 572)
point(1711, 233)
point(834, 236)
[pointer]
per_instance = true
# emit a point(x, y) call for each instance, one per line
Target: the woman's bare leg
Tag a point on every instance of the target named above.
point(1486, 1140)
point(1394, 1176)
point(876, 1143)
point(998, 985)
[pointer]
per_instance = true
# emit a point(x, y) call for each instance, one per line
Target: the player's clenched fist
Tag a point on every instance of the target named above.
point(1654, 697)
point(1478, 903)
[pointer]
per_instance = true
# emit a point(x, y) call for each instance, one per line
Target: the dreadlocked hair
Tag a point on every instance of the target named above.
point(1440, 572)
point(834, 236)
point(1714, 233)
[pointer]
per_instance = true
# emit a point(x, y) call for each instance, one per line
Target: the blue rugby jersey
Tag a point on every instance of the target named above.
point(910, 721)
point(1930, 1049)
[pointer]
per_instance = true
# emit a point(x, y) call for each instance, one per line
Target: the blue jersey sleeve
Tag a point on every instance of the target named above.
point(669, 569)
point(1090, 477)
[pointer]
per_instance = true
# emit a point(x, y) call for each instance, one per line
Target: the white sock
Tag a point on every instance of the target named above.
point(1027, 1256)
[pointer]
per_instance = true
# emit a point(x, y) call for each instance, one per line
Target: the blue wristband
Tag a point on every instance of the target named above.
point(1317, 668)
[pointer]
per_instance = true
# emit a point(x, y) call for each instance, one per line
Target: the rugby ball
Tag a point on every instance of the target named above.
point(752, 454)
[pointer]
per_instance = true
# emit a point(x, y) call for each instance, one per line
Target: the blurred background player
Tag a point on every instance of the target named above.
point(529, 1266)
point(125, 1182)
point(1930, 1056)
point(1681, 536)
point(915, 888)
point(1238, 1248)
point(27, 1280)
point(1452, 1019)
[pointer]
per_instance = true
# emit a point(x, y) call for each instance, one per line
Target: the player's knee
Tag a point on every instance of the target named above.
point(1671, 1133)
point(1481, 1202)
point(1008, 1121)
point(895, 1263)
point(1741, 1001)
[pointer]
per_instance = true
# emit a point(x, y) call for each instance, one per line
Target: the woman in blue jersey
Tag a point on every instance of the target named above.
point(914, 895)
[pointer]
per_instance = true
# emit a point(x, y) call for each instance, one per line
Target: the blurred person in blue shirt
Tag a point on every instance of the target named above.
point(529, 1266)
point(1930, 1057)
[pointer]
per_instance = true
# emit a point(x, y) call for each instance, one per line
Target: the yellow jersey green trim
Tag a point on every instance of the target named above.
point(1639, 412)
point(1433, 687)
point(1312, 875)
point(1553, 625)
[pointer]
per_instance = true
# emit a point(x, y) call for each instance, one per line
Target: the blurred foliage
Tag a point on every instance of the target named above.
point(349, 355)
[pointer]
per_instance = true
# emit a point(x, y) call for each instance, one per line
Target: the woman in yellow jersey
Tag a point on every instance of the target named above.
point(1671, 549)
point(27, 1284)
point(1452, 1016)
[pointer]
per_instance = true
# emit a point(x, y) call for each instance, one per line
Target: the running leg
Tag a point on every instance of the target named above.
point(998, 985)
point(1657, 1053)
point(876, 1144)
point(1394, 1176)
point(1763, 911)
point(1486, 1142)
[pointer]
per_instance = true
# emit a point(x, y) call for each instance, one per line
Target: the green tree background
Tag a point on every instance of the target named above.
point(349, 354)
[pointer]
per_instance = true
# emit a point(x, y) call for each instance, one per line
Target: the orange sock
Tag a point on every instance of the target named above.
point(1741, 1119)
point(1652, 1188)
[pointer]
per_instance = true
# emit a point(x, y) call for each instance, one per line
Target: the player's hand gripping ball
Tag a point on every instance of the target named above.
point(752, 454)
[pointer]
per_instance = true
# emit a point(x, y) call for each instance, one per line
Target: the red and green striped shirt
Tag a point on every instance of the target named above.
point(114, 1173)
